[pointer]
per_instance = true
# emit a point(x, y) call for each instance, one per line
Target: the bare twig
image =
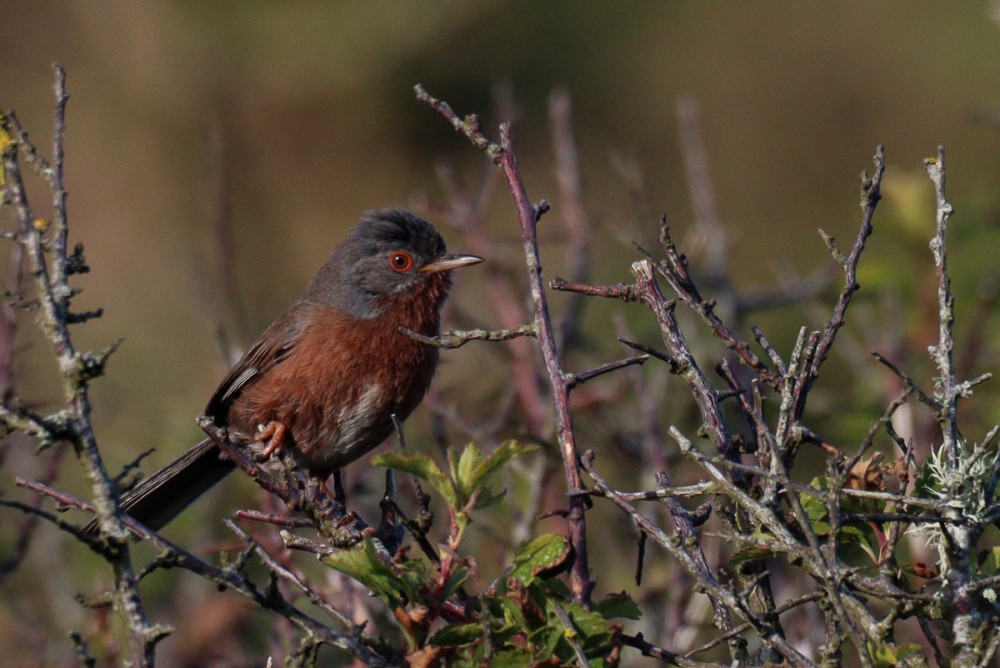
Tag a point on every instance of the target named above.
point(457, 339)
point(574, 379)
point(943, 352)
point(674, 270)
point(871, 193)
point(51, 267)
point(528, 214)
point(723, 599)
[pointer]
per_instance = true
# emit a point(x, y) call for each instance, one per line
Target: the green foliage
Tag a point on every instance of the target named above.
point(468, 474)
point(395, 583)
point(884, 656)
point(525, 616)
point(869, 536)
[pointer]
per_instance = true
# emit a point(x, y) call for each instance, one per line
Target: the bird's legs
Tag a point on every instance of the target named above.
point(273, 433)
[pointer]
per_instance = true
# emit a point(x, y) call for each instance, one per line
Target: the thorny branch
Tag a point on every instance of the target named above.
point(529, 214)
point(766, 493)
point(51, 265)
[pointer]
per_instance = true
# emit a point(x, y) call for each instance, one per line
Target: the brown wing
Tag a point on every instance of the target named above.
point(273, 346)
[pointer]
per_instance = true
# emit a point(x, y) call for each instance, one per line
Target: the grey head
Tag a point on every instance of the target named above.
point(388, 253)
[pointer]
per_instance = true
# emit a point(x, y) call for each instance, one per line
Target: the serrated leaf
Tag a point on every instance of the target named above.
point(591, 627)
point(366, 567)
point(763, 534)
point(547, 637)
point(618, 605)
point(515, 658)
point(488, 497)
point(464, 472)
point(456, 579)
point(586, 628)
point(422, 467)
point(821, 482)
point(817, 512)
point(505, 452)
point(472, 470)
point(865, 538)
point(544, 553)
point(513, 614)
point(815, 507)
point(456, 635)
point(453, 456)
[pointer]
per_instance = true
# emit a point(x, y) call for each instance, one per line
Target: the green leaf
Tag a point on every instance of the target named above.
point(514, 615)
point(458, 576)
point(864, 536)
point(591, 628)
point(464, 472)
point(587, 628)
point(472, 470)
point(547, 637)
point(504, 454)
point(817, 511)
point(617, 606)
point(422, 467)
point(456, 635)
point(517, 658)
point(884, 656)
point(366, 567)
point(488, 497)
point(468, 471)
point(545, 553)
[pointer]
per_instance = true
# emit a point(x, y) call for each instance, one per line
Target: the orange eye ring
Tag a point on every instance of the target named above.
point(401, 261)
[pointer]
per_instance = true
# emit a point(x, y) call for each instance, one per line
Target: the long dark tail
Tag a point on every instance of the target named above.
point(162, 496)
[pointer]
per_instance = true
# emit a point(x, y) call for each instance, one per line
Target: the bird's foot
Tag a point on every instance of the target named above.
point(272, 433)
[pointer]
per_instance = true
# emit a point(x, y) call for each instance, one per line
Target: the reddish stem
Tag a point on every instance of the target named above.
point(528, 215)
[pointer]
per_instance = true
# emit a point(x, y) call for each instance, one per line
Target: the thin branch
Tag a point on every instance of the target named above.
point(51, 267)
point(621, 291)
point(674, 270)
point(943, 351)
point(720, 595)
point(574, 379)
point(910, 383)
point(457, 339)
point(528, 214)
point(871, 193)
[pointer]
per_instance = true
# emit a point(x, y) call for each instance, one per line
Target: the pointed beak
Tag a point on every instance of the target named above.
point(449, 262)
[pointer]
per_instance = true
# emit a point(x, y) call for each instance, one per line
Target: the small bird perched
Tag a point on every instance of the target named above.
point(326, 378)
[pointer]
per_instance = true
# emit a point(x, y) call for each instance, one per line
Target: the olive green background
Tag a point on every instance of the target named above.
point(315, 104)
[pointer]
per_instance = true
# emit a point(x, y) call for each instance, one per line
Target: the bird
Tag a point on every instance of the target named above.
point(327, 379)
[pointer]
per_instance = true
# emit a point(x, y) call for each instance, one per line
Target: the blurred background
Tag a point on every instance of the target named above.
point(281, 122)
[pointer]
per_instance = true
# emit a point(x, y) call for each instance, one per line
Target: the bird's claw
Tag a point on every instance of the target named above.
point(273, 433)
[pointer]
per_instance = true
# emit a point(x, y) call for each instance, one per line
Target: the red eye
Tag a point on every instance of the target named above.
point(401, 261)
